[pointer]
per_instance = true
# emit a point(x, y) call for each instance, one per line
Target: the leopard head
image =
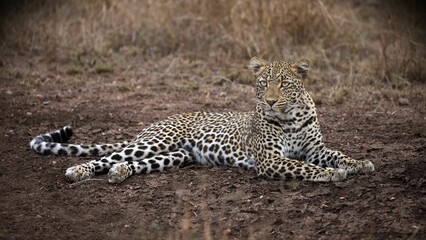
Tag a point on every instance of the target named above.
point(279, 85)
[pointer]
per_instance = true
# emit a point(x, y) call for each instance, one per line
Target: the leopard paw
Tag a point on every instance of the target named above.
point(119, 172)
point(331, 174)
point(338, 175)
point(368, 167)
point(80, 172)
point(359, 167)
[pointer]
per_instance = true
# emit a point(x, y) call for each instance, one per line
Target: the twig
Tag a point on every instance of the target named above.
point(171, 65)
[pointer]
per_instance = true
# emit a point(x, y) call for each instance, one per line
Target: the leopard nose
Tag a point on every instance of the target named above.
point(271, 102)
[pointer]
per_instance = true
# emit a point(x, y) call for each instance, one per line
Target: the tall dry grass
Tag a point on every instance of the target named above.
point(349, 42)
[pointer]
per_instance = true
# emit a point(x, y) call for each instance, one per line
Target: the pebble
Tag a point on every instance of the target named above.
point(29, 113)
point(403, 101)
point(97, 130)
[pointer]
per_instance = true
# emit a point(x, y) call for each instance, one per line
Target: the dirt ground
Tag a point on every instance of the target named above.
point(195, 202)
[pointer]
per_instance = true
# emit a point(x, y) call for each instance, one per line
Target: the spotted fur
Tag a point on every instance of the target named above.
point(280, 139)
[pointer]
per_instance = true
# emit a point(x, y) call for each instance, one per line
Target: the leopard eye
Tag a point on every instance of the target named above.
point(285, 83)
point(262, 83)
point(286, 80)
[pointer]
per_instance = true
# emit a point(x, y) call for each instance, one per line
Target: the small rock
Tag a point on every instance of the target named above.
point(11, 132)
point(97, 130)
point(29, 113)
point(403, 101)
point(8, 92)
point(46, 102)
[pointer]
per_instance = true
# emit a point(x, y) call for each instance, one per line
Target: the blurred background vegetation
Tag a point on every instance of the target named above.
point(351, 44)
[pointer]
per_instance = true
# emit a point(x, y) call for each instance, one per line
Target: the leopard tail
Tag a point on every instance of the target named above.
point(55, 143)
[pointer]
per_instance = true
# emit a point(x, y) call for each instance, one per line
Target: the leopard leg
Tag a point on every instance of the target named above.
point(121, 171)
point(330, 158)
point(133, 152)
point(280, 167)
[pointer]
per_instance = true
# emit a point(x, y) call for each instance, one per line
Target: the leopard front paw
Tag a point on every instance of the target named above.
point(358, 166)
point(80, 172)
point(119, 172)
point(338, 175)
point(367, 167)
point(331, 174)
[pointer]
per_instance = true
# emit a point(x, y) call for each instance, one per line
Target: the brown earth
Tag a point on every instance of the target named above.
point(195, 202)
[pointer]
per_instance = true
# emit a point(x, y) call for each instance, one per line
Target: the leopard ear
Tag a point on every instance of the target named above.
point(301, 68)
point(257, 65)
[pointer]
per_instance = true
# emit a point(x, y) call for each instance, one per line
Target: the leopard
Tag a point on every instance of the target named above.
point(279, 139)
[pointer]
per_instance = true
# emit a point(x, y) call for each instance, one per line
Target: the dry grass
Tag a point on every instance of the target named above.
point(356, 49)
point(339, 35)
point(373, 42)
